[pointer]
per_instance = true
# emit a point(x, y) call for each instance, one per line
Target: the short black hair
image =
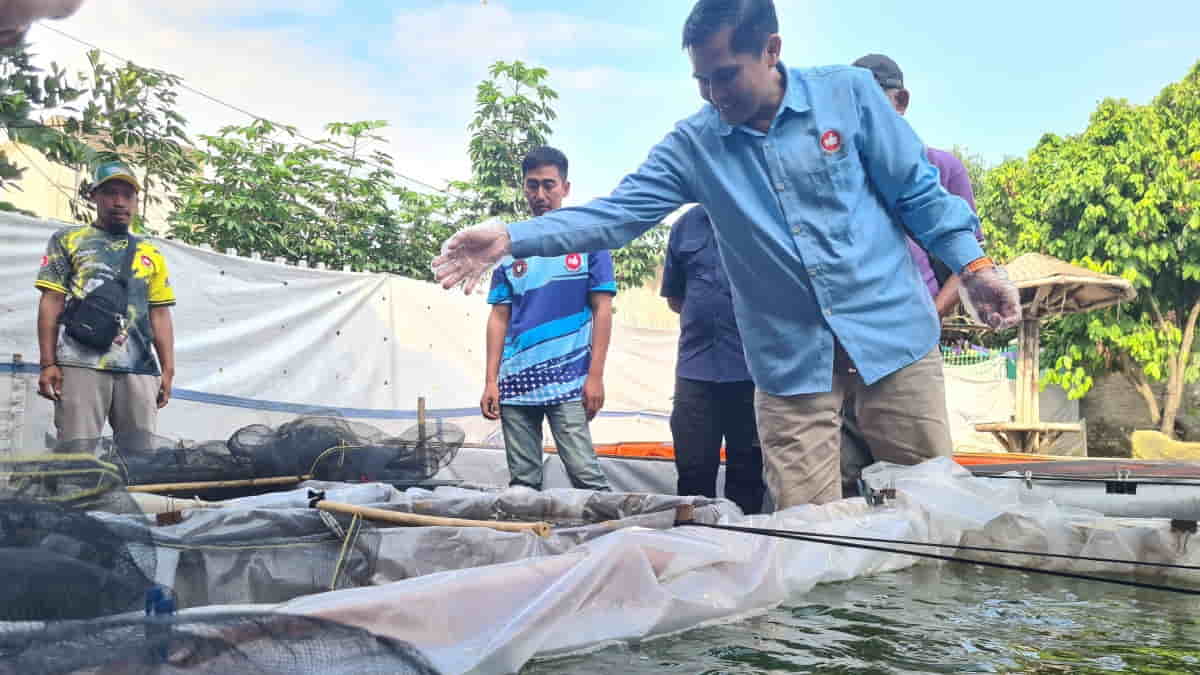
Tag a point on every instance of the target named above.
point(753, 22)
point(544, 156)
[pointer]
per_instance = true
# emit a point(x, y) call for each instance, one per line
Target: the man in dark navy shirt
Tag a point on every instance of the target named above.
point(714, 395)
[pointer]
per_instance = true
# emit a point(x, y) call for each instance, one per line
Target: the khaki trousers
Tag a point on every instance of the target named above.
point(902, 418)
point(129, 403)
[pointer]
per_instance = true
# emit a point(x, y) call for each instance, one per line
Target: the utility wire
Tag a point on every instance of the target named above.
point(983, 549)
point(209, 97)
point(825, 539)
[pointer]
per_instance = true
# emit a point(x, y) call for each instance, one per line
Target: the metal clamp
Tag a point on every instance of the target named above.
point(875, 497)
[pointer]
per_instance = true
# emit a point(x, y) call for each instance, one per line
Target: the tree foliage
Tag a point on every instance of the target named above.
point(132, 116)
point(260, 188)
point(337, 201)
point(25, 92)
point(1123, 198)
point(334, 202)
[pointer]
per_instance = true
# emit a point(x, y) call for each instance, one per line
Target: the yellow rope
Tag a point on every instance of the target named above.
point(351, 535)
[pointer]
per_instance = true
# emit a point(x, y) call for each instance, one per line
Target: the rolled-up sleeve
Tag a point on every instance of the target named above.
point(894, 158)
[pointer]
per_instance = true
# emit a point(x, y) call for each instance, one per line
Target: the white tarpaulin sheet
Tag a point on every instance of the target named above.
point(260, 342)
point(638, 583)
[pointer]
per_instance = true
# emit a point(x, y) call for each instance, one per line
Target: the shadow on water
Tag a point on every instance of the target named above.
point(931, 619)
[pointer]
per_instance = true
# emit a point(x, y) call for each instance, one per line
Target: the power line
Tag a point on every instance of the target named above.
point(312, 142)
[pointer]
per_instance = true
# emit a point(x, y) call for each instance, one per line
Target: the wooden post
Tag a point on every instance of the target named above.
point(420, 420)
point(1027, 409)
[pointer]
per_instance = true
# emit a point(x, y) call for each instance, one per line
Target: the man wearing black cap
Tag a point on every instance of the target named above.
point(943, 284)
point(104, 315)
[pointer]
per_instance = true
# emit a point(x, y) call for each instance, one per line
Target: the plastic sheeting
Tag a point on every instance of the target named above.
point(636, 583)
point(273, 547)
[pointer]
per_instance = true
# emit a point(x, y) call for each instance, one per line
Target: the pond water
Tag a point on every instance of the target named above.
point(932, 619)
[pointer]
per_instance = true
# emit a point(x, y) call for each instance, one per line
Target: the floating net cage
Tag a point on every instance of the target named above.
point(322, 448)
point(243, 643)
point(59, 560)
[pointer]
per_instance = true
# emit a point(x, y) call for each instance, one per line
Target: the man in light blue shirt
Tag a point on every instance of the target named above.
point(800, 172)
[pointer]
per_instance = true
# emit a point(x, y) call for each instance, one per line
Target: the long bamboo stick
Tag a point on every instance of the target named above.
point(541, 529)
point(217, 484)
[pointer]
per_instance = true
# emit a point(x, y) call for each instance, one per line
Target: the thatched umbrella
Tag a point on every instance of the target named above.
point(1049, 287)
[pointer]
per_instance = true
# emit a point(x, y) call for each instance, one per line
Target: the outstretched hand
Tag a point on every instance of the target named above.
point(467, 255)
point(990, 298)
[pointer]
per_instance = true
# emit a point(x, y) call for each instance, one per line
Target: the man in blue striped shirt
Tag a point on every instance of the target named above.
point(811, 181)
point(547, 340)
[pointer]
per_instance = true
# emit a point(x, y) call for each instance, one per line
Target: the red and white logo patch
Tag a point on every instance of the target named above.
point(45, 260)
point(519, 268)
point(574, 261)
point(831, 141)
point(147, 262)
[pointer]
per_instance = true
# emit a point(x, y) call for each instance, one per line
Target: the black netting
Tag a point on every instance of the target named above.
point(78, 481)
point(331, 448)
point(409, 458)
point(62, 563)
point(147, 459)
point(326, 448)
point(246, 644)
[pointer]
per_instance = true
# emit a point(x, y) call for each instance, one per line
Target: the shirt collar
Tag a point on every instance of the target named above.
point(795, 98)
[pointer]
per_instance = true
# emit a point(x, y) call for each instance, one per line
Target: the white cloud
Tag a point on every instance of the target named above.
point(270, 73)
point(422, 80)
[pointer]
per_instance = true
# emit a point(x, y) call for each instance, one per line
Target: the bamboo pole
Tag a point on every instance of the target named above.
point(217, 484)
point(541, 529)
point(420, 420)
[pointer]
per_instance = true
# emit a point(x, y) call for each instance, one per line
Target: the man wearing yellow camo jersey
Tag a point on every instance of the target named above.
point(122, 384)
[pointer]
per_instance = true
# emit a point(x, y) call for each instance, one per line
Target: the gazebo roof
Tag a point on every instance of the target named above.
point(1053, 287)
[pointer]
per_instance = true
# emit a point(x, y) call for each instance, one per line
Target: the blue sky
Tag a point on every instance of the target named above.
point(989, 76)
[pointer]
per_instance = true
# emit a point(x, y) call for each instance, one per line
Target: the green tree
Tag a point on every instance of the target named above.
point(334, 202)
point(512, 116)
point(337, 201)
point(132, 114)
point(1123, 198)
point(25, 91)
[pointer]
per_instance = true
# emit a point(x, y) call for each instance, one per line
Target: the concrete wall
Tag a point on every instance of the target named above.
point(1114, 409)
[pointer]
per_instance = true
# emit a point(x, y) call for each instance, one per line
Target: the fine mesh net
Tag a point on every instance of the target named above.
point(325, 448)
point(247, 644)
point(79, 481)
point(416, 455)
point(62, 563)
point(331, 448)
point(148, 458)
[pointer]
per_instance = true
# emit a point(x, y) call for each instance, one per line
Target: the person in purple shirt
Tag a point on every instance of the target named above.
point(943, 285)
point(714, 394)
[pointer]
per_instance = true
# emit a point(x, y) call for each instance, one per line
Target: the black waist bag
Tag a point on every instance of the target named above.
point(96, 319)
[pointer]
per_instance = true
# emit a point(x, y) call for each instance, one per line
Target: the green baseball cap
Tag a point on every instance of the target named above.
point(107, 171)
